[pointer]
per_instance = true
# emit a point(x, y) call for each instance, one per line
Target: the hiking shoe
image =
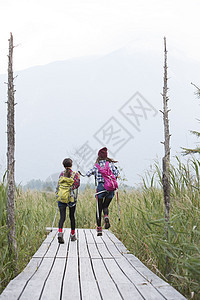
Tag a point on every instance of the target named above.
point(99, 231)
point(60, 238)
point(106, 221)
point(73, 237)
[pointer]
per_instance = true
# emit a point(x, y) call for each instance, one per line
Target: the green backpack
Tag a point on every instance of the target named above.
point(65, 192)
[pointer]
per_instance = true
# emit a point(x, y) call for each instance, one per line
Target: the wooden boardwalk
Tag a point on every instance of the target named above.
point(91, 268)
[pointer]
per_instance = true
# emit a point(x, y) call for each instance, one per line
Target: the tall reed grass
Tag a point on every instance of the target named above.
point(34, 212)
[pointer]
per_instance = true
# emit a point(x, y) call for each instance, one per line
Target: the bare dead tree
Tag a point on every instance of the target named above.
point(10, 155)
point(166, 158)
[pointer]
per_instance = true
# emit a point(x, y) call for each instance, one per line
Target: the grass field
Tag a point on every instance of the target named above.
point(141, 227)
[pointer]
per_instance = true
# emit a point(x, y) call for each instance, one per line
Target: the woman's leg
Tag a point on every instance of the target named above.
point(72, 220)
point(106, 203)
point(99, 198)
point(62, 210)
point(100, 207)
point(72, 217)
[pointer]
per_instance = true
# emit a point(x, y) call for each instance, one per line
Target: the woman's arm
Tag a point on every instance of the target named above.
point(90, 172)
point(114, 170)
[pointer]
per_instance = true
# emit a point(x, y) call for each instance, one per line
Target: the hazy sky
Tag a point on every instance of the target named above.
point(47, 30)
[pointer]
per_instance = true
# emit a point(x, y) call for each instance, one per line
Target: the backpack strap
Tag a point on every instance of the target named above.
point(98, 166)
point(107, 164)
point(72, 192)
point(73, 175)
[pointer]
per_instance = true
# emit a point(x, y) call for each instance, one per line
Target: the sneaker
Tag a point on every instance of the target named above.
point(107, 223)
point(60, 238)
point(99, 231)
point(73, 237)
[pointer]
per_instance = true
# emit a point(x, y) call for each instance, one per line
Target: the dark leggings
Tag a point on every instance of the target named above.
point(102, 205)
point(63, 216)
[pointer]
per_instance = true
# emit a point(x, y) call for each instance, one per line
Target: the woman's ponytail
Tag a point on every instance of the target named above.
point(67, 163)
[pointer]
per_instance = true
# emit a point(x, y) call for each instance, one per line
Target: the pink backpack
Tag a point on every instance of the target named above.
point(110, 180)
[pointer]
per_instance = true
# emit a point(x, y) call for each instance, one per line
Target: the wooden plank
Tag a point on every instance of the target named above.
point(144, 287)
point(71, 287)
point(120, 246)
point(42, 250)
point(126, 288)
point(52, 249)
point(35, 285)
point(13, 290)
point(97, 239)
point(15, 286)
point(62, 251)
point(106, 284)
point(67, 231)
point(52, 289)
point(114, 251)
point(162, 286)
point(113, 238)
point(51, 236)
point(122, 249)
point(81, 235)
point(106, 238)
point(170, 293)
point(89, 236)
point(82, 246)
point(93, 251)
point(30, 269)
point(142, 269)
point(49, 229)
point(48, 249)
point(83, 250)
point(104, 253)
point(89, 286)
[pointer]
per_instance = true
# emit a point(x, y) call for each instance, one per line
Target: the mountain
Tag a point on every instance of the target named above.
point(73, 108)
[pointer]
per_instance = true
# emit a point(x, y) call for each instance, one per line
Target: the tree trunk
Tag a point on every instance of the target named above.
point(10, 156)
point(166, 158)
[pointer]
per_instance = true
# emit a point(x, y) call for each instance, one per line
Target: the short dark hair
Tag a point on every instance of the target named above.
point(67, 162)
